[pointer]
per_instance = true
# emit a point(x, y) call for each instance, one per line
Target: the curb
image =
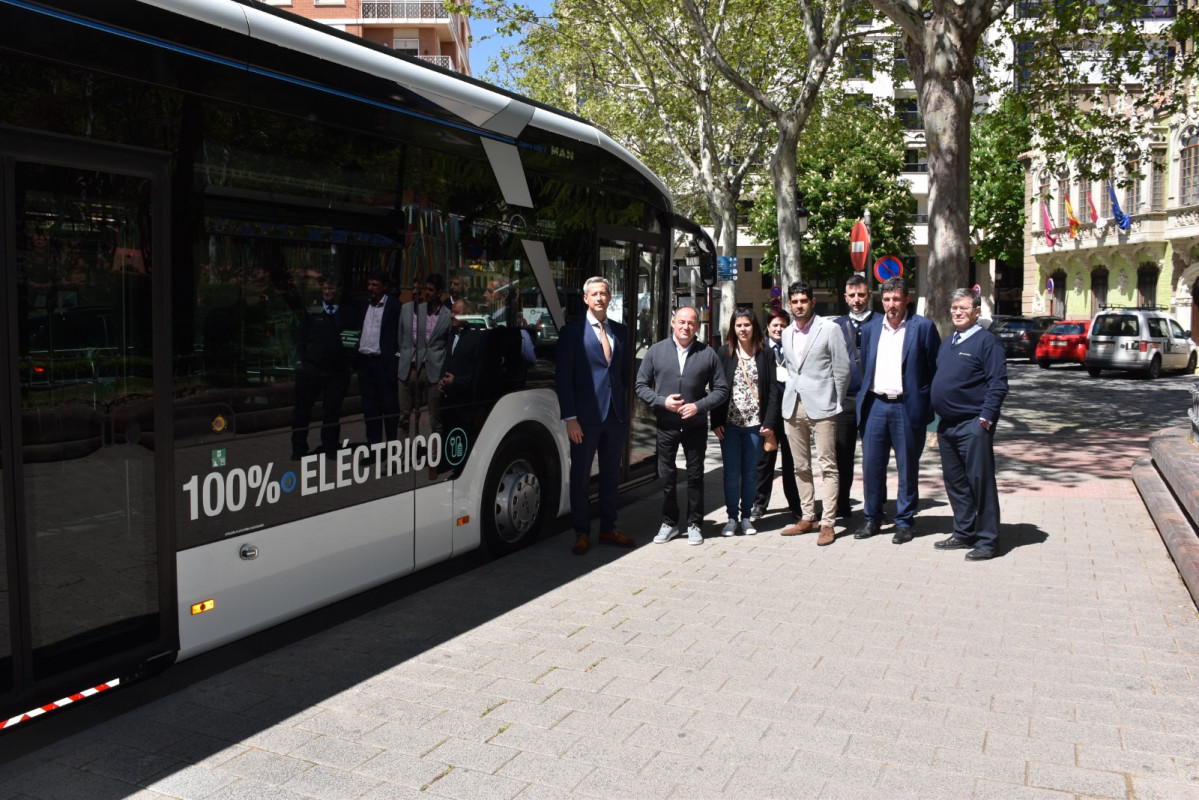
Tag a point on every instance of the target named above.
point(1168, 481)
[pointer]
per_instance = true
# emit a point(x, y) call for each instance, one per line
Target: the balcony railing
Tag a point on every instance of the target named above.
point(919, 219)
point(441, 61)
point(384, 9)
point(915, 167)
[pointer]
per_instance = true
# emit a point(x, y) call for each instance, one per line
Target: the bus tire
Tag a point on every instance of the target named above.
point(516, 497)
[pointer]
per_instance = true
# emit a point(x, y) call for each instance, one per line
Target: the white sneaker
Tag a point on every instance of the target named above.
point(729, 528)
point(748, 528)
point(694, 536)
point(665, 533)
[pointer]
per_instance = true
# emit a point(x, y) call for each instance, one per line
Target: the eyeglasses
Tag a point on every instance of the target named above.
point(959, 310)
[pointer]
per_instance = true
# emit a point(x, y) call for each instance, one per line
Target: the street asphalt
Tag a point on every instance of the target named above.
point(751, 666)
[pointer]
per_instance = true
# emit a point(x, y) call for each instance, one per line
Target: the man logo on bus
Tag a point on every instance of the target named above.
point(455, 447)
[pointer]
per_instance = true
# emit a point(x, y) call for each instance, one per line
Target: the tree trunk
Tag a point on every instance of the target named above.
point(728, 289)
point(943, 71)
point(782, 172)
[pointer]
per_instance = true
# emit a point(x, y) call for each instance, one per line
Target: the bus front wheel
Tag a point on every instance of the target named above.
point(515, 499)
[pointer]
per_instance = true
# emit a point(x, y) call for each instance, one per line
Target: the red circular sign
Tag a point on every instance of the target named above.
point(859, 246)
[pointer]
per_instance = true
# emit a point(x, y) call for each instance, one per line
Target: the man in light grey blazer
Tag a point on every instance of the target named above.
point(817, 381)
point(424, 340)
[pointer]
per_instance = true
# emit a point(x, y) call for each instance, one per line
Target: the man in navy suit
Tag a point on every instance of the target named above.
point(594, 367)
point(379, 321)
point(899, 359)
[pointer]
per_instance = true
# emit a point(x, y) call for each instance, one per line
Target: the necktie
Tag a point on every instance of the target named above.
point(957, 338)
point(330, 310)
point(603, 335)
point(778, 352)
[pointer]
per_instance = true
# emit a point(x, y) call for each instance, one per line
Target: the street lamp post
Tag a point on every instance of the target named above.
point(869, 235)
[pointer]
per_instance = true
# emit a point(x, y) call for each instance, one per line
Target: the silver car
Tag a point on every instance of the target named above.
point(1143, 339)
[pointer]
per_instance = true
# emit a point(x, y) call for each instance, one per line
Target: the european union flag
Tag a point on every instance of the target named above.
point(1121, 219)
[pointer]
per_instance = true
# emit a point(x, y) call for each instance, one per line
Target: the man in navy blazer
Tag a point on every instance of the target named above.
point(899, 359)
point(594, 367)
point(379, 322)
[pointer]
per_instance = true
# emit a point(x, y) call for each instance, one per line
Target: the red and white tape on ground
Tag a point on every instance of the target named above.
point(66, 701)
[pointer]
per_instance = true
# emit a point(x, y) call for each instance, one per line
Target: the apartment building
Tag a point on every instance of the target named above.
point(419, 28)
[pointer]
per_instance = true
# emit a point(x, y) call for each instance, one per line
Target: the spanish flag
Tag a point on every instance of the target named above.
point(1073, 220)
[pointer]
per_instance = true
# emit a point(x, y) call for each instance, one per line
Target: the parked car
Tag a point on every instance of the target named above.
point(993, 322)
point(547, 331)
point(1142, 339)
point(1019, 335)
point(480, 321)
point(1064, 343)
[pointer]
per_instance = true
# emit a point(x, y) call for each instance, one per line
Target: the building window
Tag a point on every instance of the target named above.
point(1081, 208)
point(1044, 196)
point(1063, 191)
point(908, 111)
point(1157, 183)
point(859, 63)
point(1188, 169)
point(901, 70)
point(1132, 193)
point(1147, 285)
point(409, 47)
point(1098, 289)
point(915, 160)
point(1105, 198)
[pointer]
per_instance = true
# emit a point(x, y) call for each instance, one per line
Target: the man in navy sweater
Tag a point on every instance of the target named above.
point(967, 392)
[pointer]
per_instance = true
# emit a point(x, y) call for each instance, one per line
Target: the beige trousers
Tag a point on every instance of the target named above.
point(800, 430)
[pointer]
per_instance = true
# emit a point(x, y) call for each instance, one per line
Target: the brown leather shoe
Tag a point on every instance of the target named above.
point(617, 538)
point(826, 535)
point(803, 526)
point(581, 545)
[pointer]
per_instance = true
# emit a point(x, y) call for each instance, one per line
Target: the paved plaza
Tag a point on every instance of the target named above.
point(749, 667)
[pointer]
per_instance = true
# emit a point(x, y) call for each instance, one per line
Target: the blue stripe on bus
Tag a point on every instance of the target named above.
point(256, 70)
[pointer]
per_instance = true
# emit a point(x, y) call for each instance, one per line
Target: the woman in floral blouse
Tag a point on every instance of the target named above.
point(750, 415)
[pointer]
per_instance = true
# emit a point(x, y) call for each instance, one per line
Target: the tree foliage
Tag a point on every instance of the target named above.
point(852, 159)
point(998, 137)
point(1096, 78)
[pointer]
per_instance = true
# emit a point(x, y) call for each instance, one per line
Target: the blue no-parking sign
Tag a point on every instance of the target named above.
point(888, 267)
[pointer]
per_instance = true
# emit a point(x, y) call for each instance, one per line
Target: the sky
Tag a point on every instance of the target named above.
point(482, 52)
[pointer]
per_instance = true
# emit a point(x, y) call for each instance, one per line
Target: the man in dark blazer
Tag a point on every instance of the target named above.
point(322, 370)
point(379, 323)
point(899, 359)
point(458, 384)
point(594, 366)
point(857, 297)
point(681, 379)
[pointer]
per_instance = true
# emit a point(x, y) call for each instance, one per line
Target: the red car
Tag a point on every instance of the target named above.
point(1065, 342)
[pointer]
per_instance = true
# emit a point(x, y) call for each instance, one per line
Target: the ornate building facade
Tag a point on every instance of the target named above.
point(1154, 261)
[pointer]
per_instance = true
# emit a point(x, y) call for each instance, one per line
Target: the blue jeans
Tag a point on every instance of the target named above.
point(741, 449)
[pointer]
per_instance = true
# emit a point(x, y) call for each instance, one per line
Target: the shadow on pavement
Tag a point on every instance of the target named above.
point(1019, 535)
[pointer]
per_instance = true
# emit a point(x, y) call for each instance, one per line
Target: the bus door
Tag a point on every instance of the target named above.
point(86, 567)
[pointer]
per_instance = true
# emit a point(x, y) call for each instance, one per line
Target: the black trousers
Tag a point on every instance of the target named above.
point(694, 441)
point(331, 389)
point(847, 445)
point(766, 476)
point(607, 441)
point(968, 466)
point(379, 383)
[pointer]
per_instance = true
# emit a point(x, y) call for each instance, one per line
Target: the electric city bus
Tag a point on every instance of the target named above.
point(179, 179)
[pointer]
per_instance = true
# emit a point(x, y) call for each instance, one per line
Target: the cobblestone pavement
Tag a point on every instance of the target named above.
point(747, 667)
